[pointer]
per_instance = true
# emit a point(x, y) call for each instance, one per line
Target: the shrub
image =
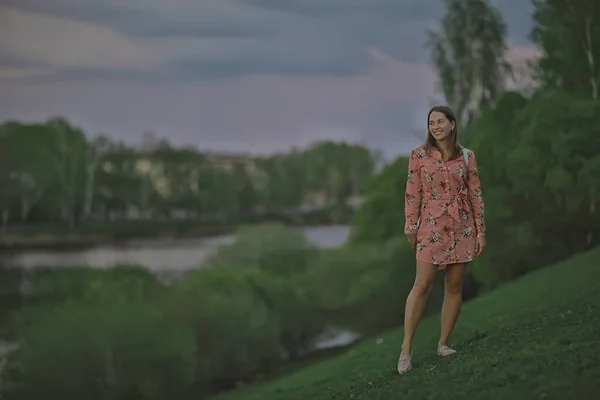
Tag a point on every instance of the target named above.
point(89, 350)
point(381, 217)
point(74, 283)
point(363, 287)
point(273, 247)
point(235, 335)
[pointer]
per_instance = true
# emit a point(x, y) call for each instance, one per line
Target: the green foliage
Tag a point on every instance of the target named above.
point(567, 34)
point(52, 172)
point(282, 255)
point(93, 351)
point(244, 320)
point(538, 180)
point(351, 282)
point(274, 247)
point(45, 161)
point(122, 283)
point(381, 216)
point(234, 332)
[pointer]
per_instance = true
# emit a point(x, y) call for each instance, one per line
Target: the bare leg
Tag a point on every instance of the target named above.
point(416, 301)
point(452, 300)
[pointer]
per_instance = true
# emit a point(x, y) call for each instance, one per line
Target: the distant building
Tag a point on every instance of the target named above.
point(227, 160)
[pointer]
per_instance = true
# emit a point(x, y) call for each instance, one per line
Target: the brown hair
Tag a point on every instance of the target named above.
point(431, 143)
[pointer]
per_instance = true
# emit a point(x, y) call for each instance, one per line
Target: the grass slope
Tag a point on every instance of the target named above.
point(535, 338)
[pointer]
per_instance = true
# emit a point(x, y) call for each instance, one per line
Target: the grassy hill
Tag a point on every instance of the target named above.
point(535, 338)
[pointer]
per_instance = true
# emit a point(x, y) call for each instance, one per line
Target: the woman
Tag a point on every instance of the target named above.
point(444, 224)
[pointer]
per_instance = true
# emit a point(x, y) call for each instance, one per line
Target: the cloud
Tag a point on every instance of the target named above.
point(521, 58)
point(196, 40)
point(61, 42)
point(189, 39)
point(258, 113)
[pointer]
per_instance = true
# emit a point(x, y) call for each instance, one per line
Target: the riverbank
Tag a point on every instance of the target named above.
point(47, 238)
point(98, 233)
point(165, 256)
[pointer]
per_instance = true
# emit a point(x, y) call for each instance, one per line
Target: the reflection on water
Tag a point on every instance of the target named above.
point(160, 255)
point(335, 338)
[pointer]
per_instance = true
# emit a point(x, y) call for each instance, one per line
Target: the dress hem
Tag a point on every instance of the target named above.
point(443, 266)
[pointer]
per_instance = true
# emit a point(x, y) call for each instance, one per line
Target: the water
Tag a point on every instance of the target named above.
point(169, 258)
point(158, 255)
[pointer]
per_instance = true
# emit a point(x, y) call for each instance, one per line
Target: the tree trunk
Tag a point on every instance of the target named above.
point(5, 216)
point(24, 209)
point(590, 55)
point(89, 190)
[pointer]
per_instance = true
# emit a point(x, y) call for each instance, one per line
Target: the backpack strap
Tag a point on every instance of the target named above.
point(465, 152)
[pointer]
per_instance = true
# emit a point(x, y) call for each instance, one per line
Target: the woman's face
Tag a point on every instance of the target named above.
point(439, 126)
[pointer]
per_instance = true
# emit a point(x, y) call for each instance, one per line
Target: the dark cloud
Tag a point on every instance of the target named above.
point(8, 60)
point(415, 9)
point(294, 37)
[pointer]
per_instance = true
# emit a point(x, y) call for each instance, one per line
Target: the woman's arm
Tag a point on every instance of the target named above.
point(475, 193)
point(412, 197)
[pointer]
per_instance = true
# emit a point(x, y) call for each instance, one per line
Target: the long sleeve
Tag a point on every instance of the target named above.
point(412, 197)
point(475, 193)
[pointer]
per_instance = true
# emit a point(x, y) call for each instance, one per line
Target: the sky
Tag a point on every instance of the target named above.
point(254, 76)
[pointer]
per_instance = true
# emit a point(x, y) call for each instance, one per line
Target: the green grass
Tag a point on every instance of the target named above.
point(536, 338)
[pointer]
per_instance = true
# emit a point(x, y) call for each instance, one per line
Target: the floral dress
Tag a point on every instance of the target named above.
point(444, 207)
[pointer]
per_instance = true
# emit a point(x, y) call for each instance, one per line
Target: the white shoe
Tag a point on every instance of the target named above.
point(445, 351)
point(404, 363)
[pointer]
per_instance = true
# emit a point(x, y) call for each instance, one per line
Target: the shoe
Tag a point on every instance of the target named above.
point(445, 351)
point(404, 364)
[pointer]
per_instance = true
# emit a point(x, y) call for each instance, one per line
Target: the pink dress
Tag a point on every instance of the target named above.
point(444, 207)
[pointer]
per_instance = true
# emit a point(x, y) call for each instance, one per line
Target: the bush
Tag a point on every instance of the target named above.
point(283, 254)
point(75, 283)
point(273, 247)
point(298, 322)
point(236, 336)
point(381, 217)
point(363, 287)
point(99, 351)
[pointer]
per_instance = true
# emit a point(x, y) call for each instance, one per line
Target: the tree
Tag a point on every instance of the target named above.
point(338, 169)
point(69, 155)
point(568, 33)
point(52, 172)
point(469, 54)
point(381, 217)
point(539, 167)
point(26, 162)
point(119, 184)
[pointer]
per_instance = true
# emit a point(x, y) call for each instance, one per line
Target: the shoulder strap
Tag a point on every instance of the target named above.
point(465, 152)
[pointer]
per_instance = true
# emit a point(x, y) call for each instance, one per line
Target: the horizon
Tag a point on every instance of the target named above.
point(240, 76)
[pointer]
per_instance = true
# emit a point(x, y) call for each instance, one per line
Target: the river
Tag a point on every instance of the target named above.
point(169, 259)
point(158, 255)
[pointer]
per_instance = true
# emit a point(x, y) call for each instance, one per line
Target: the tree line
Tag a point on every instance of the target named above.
point(52, 172)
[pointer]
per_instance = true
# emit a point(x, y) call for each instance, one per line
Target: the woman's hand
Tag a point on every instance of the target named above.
point(480, 243)
point(412, 239)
